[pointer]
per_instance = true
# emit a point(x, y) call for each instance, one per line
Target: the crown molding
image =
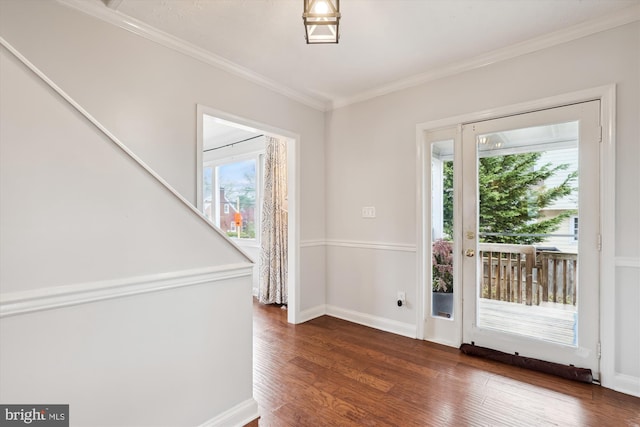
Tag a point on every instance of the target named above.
point(617, 19)
point(104, 13)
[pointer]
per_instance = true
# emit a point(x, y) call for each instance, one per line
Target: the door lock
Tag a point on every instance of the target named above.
point(470, 253)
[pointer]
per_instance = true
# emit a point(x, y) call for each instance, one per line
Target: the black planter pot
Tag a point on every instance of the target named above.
point(442, 304)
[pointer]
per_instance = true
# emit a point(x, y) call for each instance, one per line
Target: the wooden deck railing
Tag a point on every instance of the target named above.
point(557, 276)
point(507, 272)
point(517, 273)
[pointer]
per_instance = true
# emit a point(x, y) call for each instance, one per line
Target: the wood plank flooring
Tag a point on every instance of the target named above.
point(329, 372)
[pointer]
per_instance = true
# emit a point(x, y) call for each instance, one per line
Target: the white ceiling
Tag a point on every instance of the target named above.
point(217, 133)
point(383, 42)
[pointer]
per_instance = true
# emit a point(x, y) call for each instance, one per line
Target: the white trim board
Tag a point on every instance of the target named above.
point(312, 243)
point(17, 303)
point(600, 92)
point(626, 384)
point(388, 246)
point(631, 262)
point(312, 313)
point(238, 416)
point(376, 322)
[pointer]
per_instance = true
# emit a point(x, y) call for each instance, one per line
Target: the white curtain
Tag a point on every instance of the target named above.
point(273, 260)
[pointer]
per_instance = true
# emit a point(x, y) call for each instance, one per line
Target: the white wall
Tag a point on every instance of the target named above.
point(112, 290)
point(359, 155)
point(146, 360)
point(75, 208)
point(370, 161)
point(179, 354)
point(146, 94)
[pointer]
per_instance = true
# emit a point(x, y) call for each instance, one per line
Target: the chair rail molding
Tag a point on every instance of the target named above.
point(17, 303)
point(631, 262)
point(312, 243)
point(359, 244)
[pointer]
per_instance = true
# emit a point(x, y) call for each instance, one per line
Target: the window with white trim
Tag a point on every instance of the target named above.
point(232, 196)
point(573, 224)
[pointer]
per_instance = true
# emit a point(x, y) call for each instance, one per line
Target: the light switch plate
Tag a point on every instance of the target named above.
point(368, 212)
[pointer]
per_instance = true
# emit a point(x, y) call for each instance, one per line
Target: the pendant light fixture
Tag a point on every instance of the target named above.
point(321, 21)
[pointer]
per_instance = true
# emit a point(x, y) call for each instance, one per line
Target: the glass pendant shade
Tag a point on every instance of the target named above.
point(321, 21)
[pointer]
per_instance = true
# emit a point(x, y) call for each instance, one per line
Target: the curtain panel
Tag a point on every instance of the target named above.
point(274, 237)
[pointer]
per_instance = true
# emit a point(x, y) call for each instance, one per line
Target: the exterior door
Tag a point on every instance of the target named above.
point(530, 234)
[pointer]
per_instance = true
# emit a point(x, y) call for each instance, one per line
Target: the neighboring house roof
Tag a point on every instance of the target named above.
point(226, 201)
point(230, 203)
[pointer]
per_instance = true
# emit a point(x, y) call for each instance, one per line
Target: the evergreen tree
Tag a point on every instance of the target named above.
point(512, 195)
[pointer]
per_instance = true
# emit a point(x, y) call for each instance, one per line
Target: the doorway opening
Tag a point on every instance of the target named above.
point(235, 172)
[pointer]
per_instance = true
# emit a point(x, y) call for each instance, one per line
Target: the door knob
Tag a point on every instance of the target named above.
point(470, 253)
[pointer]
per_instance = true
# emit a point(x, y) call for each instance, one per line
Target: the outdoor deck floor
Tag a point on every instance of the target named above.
point(548, 321)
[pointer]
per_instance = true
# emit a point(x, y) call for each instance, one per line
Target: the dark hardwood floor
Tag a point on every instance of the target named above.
point(329, 372)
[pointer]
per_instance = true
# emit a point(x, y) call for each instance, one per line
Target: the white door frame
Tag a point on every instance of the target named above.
point(446, 331)
point(606, 95)
point(293, 189)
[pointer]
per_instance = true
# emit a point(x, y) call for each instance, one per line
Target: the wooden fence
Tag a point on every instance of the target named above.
point(519, 274)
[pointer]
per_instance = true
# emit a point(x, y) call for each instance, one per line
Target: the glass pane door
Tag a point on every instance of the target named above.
point(528, 194)
point(442, 235)
point(443, 296)
point(531, 272)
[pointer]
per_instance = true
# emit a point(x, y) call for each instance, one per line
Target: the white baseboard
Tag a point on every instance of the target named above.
point(447, 343)
point(382, 323)
point(312, 313)
point(238, 416)
point(624, 384)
